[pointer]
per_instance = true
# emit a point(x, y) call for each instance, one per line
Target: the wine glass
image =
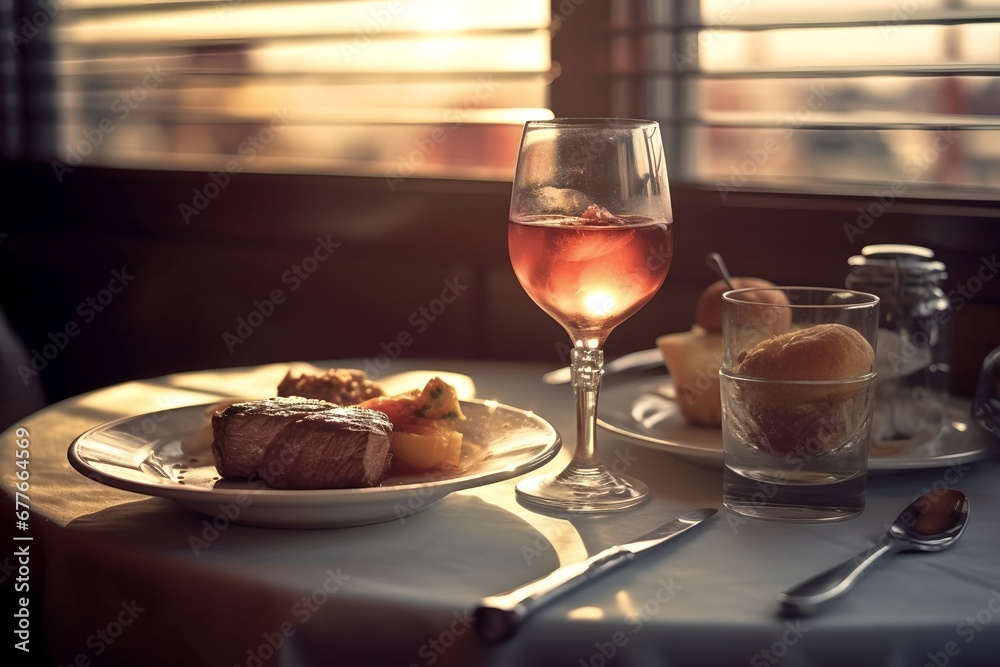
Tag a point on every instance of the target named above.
point(590, 242)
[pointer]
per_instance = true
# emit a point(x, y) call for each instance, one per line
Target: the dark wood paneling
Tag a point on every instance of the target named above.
point(397, 250)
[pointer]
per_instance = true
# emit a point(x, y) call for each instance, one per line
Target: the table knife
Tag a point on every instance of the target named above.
point(499, 616)
point(631, 361)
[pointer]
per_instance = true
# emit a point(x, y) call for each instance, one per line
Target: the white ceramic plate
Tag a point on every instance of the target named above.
point(643, 411)
point(175, 461)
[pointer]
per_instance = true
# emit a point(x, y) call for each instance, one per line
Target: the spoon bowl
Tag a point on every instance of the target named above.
point(932, 522)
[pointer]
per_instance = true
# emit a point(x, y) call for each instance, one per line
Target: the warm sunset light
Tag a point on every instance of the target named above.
point(448, 83)
point(599, 302)
point(500, 332)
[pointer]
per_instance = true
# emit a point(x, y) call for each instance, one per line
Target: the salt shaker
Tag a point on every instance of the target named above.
point(913, 353)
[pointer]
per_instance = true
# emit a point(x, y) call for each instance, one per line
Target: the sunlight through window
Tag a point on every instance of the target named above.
point(817, 96)
point(395, 89)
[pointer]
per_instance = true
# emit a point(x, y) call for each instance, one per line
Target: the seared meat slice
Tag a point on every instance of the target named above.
point(243, 431)
point(343, 386)
point(346, 447)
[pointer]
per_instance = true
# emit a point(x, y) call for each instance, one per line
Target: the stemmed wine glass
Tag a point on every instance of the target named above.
point(590, 242)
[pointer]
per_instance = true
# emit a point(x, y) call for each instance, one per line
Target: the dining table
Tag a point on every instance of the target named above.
point(101, 575)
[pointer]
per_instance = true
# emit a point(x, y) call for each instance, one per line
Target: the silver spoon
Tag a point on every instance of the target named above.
point(930, 523)
point(714, 261)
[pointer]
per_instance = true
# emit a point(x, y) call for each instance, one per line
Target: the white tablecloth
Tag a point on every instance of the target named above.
point(118, 578)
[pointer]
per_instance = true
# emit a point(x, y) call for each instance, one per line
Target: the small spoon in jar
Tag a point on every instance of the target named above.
point(932, 522)
point(715, 262)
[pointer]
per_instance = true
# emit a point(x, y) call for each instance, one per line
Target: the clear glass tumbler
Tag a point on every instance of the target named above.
point(798, 390)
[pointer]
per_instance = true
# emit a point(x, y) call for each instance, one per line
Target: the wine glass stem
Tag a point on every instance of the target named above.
point(586, 365)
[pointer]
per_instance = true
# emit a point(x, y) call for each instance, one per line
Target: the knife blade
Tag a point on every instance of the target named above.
point(631, 361)
point(498, 616)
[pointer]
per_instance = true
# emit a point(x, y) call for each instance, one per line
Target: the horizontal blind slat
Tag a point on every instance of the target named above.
point(365, 86)
point(941, 19)
point(781, 95)
point(814, 72)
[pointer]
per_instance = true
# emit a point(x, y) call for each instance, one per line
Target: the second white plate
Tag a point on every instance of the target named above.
point(643, 411)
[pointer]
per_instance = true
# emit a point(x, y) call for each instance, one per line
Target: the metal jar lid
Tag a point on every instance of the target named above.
point(892, 262)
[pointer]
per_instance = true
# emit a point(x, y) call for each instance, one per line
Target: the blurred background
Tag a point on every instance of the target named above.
point(197, 184)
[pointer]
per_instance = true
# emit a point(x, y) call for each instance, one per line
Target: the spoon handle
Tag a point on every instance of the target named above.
point(836, 581)
point(715, 262)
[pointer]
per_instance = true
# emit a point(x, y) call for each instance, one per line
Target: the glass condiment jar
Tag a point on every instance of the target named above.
point(986, 406)
point(913, 353)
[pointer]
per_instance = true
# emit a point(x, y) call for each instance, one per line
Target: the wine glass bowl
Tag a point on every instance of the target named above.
point(590, 241)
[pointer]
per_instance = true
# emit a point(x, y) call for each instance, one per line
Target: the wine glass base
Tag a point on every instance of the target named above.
point(589, 490)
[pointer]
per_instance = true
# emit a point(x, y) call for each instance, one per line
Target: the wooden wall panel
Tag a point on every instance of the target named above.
point(396, 252)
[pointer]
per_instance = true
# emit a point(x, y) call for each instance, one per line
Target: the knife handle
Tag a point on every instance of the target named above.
point(499, 616)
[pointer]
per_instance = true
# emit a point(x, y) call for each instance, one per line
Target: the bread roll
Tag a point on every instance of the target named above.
point(693, 359)
point(708, 310)
point(820, 352)
point(806, 419)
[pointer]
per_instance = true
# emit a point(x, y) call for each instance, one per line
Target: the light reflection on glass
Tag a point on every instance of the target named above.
point(598, 303)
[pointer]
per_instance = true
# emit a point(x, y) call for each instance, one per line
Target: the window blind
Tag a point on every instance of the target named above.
point(827, 97)
point(382, 88)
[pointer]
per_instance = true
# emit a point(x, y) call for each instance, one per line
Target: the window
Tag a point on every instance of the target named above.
point(823, 97)
point(780, 95)
point(360, 87)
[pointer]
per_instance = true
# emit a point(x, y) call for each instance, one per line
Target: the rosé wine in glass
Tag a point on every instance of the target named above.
point(590, 277)
point(590, 241)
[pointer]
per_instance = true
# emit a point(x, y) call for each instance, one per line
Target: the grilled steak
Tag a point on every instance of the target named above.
point(343, 386)
point(346, 447)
